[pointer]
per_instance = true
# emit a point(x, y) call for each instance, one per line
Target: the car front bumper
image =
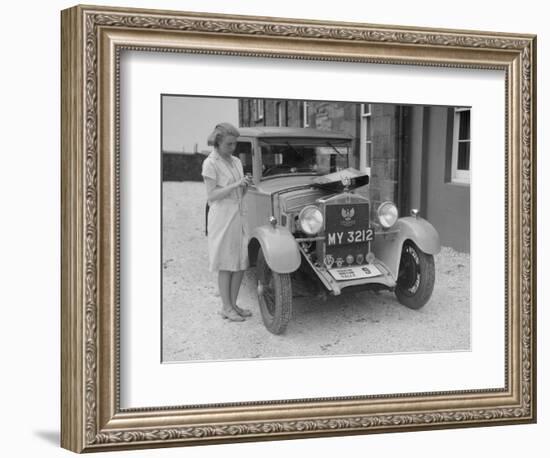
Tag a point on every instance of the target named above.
point(384, 281)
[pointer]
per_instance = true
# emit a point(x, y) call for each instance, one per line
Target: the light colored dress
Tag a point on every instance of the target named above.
point(227, 228)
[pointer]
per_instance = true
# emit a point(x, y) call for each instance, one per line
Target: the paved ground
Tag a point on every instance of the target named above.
point(355, 323)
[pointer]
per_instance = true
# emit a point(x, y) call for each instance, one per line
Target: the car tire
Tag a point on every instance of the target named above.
point(274, 296)
point(416, 278)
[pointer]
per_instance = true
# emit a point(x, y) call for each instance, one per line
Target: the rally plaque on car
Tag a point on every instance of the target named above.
point(354, 273)
point(347, 235)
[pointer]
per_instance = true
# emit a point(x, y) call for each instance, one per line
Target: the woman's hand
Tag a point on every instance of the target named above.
point(215, 192)
point(245, 181)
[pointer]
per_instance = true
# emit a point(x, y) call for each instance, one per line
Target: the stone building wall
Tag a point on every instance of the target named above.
point(337, 117)
point(384, 166)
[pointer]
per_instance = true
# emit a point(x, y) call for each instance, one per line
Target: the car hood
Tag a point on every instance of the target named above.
point(331, 181)
point(295, 192)
point(281, 183)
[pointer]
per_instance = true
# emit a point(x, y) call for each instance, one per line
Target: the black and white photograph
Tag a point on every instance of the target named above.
point(275, 229)
point(311, 228)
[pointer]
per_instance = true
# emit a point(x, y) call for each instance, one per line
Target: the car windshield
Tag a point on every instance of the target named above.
point(306, 156)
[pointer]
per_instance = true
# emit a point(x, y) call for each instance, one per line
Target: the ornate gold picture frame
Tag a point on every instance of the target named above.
point(93, 39)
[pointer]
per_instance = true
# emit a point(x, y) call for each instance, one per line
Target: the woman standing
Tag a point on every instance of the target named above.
point(226, 185)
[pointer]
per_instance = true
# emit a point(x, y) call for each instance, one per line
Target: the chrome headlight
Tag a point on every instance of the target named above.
point(311, 220)
point(387, 214)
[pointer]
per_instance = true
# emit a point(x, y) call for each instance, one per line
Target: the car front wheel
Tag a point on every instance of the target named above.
point(415, 282)
point(274, 296)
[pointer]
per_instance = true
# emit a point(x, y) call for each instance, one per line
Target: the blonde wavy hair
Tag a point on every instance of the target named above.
point(220, 131)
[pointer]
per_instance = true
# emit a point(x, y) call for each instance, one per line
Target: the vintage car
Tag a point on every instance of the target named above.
point(307, 218)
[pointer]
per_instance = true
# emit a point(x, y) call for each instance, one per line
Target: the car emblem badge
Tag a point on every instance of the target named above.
point(346, 181)
point(360, 258)
point(370, 257)
point(329, 261)
point(339, 262)
point(347, 215)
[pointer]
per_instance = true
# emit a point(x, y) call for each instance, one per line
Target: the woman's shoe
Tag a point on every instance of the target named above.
point(242, 312)
point(231, 315)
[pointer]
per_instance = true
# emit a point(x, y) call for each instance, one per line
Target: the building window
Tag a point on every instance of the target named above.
point(365, 157)
point(259, 109)
point(279, 114)
point(461, 146)
point(305, 114)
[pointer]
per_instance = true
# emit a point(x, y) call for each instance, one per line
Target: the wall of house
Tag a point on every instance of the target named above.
point(384, 165)
point(337, 117)
point(445, 204)
point(292, 115)
point(245, 113)
point(412, 160)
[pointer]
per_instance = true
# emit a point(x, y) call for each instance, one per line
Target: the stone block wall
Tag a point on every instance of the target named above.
point(385, 165)
point(337, 117)
point(291, 110)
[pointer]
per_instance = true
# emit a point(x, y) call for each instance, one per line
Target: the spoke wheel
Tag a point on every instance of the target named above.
point(274, 296)
point(416, 278)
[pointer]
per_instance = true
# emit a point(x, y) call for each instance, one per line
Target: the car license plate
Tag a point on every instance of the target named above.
point(355, 272)
point(348, 237)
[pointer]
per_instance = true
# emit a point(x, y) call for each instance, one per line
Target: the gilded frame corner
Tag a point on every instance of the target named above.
point(92, 38)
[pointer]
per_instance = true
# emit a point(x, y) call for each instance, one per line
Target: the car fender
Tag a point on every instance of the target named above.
point(387, 247)
point(279, 247)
